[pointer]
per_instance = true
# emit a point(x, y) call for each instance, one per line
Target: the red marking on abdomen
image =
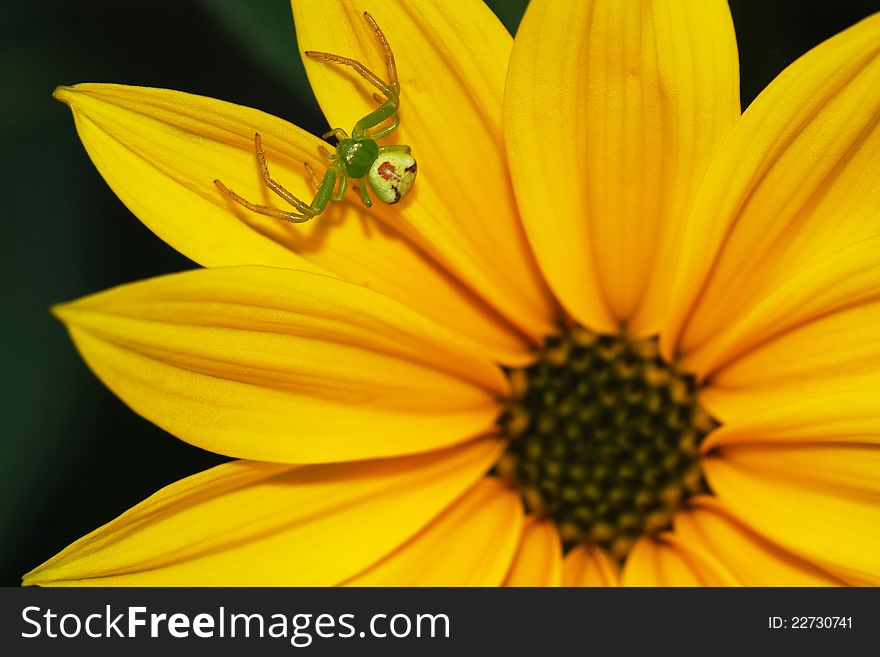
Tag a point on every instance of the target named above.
point(387, 170)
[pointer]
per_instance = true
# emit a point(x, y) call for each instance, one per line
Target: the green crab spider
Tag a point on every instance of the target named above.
point(390, 170)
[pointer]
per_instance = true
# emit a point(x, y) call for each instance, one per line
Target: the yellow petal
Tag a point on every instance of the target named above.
point(846, 417)
point(471, 544)
point(589, 566)
point(609, 125)
point(831, 354)
point(842, 281)
point(283, 365)
point(259, 524)
point(820, 502)
point(750, 558)
point(160, 151)
point(451, 59)
point(667, 561)
point(795, 182)
point(538, 560)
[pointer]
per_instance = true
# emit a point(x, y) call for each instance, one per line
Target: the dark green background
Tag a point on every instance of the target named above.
point(72, 456)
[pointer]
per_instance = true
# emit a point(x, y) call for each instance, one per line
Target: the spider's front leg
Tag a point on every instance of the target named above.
point(377, 116)
point(390, 89)
point(395, 118)
point(304, 211)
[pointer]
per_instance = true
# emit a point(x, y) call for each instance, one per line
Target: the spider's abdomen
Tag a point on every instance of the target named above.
point(358, 155)
point(392, 175)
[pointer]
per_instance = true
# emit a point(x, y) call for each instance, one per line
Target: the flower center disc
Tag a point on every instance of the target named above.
point(604, 438)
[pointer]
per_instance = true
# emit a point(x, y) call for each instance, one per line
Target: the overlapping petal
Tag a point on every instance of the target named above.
point(820, 502)
point(770, 356)
point(281, 365)
point(666, 560)
point(452, 59)
point(261, 524)
point(795, 182)
point(751, 559)
point(160, 151)
point(589, 566)
point(612, 111)
point(832, 354)
point(538, 559)
point(839, 418)
point(472, 544)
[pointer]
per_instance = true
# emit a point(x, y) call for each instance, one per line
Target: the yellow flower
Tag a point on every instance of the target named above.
point(490, 342)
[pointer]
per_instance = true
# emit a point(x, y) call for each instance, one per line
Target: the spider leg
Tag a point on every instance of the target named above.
point(374, 118)
point(314, 178)
point(339, 133)
point(271, 184)
point(304, 211)
point(325, 191)
point(399, 148)
point(366, 73)
point(388, 129)
point(391, 127)
point(391, 89)
point(362, 190)
point(292, 217)
point(389, 54)
point(341, 188)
